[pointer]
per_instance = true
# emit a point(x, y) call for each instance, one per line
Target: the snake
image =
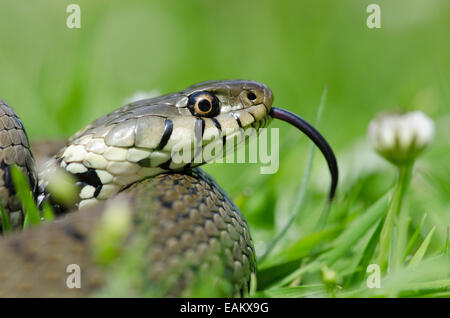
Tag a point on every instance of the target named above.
point(179, 231)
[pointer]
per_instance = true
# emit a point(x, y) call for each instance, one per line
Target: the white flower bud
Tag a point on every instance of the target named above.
point(329, 276)
point(400, 138)
point(112, 231)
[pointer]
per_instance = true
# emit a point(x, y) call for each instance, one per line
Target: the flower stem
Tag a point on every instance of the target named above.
point(404, 177)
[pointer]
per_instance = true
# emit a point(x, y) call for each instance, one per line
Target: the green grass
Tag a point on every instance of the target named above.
point(6, 225)
point(32, 215)
point(29, 207)
point(58, 80)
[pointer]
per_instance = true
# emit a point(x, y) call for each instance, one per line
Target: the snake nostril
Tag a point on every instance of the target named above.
point(251, 96)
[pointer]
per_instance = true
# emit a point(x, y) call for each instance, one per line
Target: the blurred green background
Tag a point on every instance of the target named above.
point(59, 79)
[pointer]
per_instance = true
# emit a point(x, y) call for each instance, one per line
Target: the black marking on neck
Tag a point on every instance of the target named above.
point(97, 191)
point(168, 128)
point(90, 177)
point(217, 124)
point(166, 165)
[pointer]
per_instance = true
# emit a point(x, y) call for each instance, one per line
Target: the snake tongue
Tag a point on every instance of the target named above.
point(316, 137)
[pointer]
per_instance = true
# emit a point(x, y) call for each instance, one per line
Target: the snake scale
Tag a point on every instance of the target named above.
point(182, 225)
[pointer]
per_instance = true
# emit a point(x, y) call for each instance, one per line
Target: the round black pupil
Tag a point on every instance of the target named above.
point(204, 105)
point(251, 96)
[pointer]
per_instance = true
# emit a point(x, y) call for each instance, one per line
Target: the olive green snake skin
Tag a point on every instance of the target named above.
point(184, 225)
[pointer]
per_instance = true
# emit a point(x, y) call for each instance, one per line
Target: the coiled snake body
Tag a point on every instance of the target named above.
point(183, 226)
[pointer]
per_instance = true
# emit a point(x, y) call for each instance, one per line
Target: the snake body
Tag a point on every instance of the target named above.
point(187, 224)
point(182, 227)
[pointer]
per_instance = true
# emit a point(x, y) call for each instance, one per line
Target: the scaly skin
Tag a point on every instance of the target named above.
point(14, 149)
point(186, 221)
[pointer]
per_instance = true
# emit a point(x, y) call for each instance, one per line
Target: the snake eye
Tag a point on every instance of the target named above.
point(204, 104)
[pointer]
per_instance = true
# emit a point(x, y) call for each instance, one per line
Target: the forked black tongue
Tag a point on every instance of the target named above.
point(316, 137)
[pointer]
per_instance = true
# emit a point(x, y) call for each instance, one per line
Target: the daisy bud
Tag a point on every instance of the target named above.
point(400, 138)
point(112, 231)
point(329, 276)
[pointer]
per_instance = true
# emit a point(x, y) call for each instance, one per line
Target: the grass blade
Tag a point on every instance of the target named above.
point(23, 191)
point(400, 238)
point(385, 250)
point(356, 230)
point(422, 249)
point(6, 226)
point(414, 237)
point(301, 248)
point(47, 211)
point(369, 250)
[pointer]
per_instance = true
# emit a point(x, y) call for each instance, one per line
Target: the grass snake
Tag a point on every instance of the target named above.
point(182, 227)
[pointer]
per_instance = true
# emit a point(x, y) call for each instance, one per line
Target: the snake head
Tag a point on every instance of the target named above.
point(170, 132)
point(233, 95)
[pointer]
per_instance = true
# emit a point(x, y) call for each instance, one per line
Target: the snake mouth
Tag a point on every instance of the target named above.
point(316, 137)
